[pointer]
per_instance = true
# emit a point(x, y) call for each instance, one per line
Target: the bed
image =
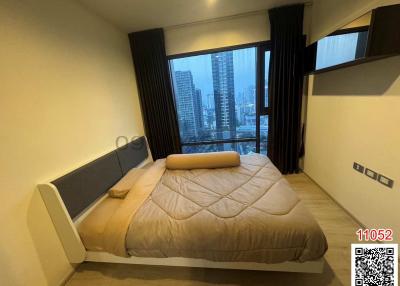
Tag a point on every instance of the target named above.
point(244, 217)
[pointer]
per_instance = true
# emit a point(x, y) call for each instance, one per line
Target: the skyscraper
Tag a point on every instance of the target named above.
point(188, 104)
point(198, 109)
point(224, 94)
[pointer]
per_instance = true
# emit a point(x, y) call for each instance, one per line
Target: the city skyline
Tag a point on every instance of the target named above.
point(244, 70)
point(215, 96)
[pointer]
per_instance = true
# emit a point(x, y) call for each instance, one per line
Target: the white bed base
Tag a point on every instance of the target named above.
point(76, 252)
point(306, 267)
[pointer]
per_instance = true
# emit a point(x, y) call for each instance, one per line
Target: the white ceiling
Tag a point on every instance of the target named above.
point(137, 15)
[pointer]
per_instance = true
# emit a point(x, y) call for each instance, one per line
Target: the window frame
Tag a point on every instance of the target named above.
point(264, 110)
point(261, 48)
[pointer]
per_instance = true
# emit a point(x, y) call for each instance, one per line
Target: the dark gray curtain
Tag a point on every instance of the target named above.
point(155, 92)
point(285, 86)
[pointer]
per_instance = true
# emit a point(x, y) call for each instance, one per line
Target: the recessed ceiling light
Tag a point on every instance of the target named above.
point(211, 2)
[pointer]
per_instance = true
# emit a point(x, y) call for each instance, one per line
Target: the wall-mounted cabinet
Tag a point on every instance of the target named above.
point(373, 36)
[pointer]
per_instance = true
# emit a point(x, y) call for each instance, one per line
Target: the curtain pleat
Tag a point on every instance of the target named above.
point(155, 92)
point(286, 86)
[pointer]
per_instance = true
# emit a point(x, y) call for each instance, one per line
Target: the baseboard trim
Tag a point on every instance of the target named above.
point(333, 199)
point(68, 276)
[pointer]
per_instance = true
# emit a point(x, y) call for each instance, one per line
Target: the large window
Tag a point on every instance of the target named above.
point(217, 96)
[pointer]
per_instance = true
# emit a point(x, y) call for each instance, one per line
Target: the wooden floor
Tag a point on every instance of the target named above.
point(337, 225)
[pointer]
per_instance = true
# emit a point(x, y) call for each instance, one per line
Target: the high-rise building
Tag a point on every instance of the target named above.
point(224, 94)
point(188, 104)
point(210, 101)
point(198, 109)
point(251, 94)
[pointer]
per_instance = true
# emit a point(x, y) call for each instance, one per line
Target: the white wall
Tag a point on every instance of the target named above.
point(353, 116)
point(219, 33)
point(67, 91)
point(223, 32)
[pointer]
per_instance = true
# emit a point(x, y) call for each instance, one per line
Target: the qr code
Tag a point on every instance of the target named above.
point(374, 264)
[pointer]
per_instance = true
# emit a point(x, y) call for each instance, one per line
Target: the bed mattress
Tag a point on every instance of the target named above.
point(245, 214)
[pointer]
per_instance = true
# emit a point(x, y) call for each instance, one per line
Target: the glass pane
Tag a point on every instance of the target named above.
point(267, 56)
point(263, 134)
point(215, 95)
point(338, 49)
point(240, 147)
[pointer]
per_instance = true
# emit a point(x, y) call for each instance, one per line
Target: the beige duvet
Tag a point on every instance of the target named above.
point(247, 213)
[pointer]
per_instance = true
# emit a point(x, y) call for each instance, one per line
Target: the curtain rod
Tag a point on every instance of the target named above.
point(224, 18)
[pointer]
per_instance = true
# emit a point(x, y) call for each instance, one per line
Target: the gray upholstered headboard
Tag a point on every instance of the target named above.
point(81, 187)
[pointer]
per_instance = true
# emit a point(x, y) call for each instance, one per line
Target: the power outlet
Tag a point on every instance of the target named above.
point(358, 167)
point(372, 174)
point(385, 181)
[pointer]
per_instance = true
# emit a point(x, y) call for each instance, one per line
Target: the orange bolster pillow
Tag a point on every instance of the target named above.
point(203, 160)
